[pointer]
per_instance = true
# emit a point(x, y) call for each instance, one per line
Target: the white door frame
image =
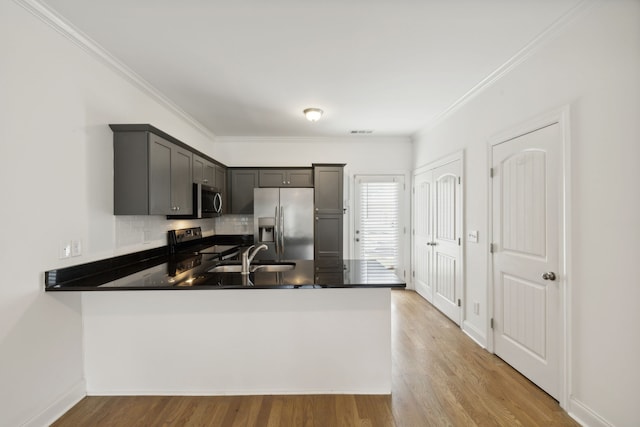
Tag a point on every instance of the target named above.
point(560, 116)
point(455, 156)
point(350, 207)
point(402, 223)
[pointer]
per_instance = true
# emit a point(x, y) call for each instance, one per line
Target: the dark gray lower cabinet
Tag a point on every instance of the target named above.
point(152, 176)
point(328, 237)
point(243, 181)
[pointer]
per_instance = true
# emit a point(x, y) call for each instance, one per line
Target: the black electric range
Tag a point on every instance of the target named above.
point(189, 241)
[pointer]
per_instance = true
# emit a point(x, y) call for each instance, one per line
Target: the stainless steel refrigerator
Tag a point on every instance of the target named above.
point(283, 220)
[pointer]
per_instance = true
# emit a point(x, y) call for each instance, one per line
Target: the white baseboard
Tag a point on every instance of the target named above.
point(474, 334)
point(238, 392)
point(585, 415)
point(59, 406)
point(422, 292)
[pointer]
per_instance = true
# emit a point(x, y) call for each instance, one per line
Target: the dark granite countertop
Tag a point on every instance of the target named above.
point(159, 270)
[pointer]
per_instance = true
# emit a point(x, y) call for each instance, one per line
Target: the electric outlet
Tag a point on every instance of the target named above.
point(76, 247)
point(65, 249)
point(476, 308)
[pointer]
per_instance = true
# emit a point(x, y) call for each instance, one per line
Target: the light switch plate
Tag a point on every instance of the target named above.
point(472, 236)
point(65, 249)
point(76, 247)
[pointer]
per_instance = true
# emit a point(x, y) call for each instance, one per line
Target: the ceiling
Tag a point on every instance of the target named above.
point(249, 68)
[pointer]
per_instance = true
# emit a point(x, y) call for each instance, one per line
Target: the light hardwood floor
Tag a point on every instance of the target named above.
point(440, 378)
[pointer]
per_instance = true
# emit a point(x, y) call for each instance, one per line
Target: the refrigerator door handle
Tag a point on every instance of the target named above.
point(276, 231)
point(282, 230)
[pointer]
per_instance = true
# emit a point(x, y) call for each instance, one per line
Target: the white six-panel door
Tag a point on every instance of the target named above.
point(445, 247)
point(422, 234)
point(526, 189)
point(437, 231)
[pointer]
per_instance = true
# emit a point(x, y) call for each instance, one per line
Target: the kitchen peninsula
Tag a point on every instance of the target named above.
point(292, 332)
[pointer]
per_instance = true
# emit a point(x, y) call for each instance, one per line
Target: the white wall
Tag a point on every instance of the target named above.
point(593, 65)
point(56, 179)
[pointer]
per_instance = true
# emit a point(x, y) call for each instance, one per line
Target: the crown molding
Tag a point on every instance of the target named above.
point(522, 55)
point(64, 27)
point(313, 139)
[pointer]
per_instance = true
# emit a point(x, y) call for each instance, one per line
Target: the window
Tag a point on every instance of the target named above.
point(378, 218)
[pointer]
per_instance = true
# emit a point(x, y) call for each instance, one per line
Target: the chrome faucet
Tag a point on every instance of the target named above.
point(248, 257)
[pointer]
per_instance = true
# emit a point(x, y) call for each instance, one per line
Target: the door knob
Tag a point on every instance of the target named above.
point(550, 275)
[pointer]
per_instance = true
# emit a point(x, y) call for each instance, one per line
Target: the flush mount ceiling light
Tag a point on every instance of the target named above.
point(312, 114)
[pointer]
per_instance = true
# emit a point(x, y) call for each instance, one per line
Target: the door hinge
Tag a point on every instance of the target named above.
point(413, 274)
point(459, 180)
point(459, 241)
point(490, 172)
point(491, 323)
point(492, 248)
point(459, 302)
point(404, 274)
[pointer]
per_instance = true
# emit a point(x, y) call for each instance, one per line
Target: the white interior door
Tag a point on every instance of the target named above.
point(526, 211)
point(437, 231)
point(422, 234)
point(445, 246)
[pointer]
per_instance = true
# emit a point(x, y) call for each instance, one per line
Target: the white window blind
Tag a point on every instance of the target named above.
point(378, 222)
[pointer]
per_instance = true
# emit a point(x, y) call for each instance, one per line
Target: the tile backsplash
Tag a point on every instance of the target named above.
point(133, 232)
point(234, 224)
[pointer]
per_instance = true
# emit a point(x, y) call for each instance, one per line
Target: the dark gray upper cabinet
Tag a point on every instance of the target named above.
point(243, 181)
point(204, 171)
point(299, 177)
point(154, 172)
point(220, 176)
point(328, 194)
point(329, 182)
point(152, 176)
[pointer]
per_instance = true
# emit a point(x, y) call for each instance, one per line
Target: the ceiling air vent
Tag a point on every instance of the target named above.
point(362, 131)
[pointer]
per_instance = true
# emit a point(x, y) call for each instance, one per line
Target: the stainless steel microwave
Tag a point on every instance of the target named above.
point(207, 203)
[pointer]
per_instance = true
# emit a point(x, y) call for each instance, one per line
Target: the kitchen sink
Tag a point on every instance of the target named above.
point(256, 267)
